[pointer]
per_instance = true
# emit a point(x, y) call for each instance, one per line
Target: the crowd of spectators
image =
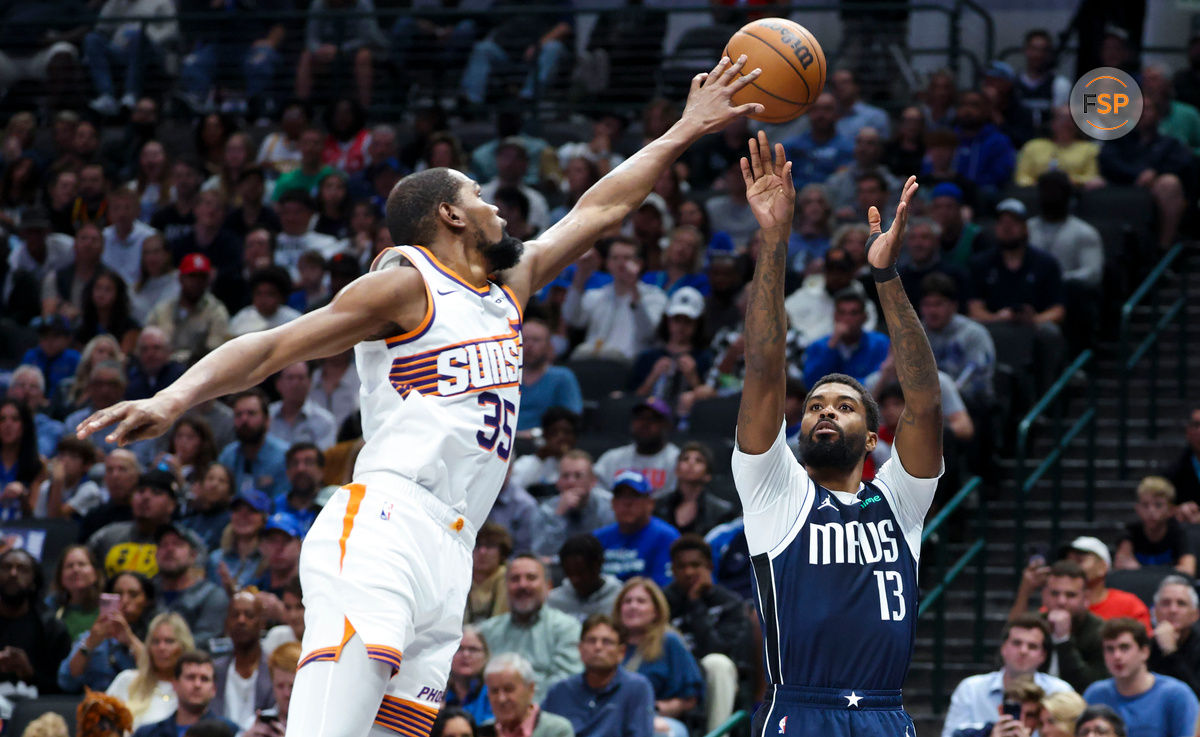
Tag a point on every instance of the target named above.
point(611, 588)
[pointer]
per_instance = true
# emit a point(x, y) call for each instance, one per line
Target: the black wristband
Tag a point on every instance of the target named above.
point(880, 275)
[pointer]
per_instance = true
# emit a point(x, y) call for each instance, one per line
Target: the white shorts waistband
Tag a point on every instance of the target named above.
point(406, 491)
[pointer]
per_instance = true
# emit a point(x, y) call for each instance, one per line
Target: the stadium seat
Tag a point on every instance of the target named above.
point(26, 711)
point(600, 377)
point(44, 538)
point(611, 416)
point(717, 416)
point(1142, 582)
point(1131, 204)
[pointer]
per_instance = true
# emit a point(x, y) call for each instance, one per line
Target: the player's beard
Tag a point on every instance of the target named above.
point(842, 453)
point(504, 253)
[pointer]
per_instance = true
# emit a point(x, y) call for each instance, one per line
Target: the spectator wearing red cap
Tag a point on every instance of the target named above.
point(195, 322)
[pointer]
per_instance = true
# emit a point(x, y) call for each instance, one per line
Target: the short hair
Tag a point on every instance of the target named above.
point(210, 728)
point(850, 295)
point(276, 276)
point(445, 715)
point(692, 541)
point(1176, 580)
point(1068, 569)
point(82, 448)
point(411, 211)
point(890, 390)
point(926, 222)
point(123, 193)
point(1114, 628)
point(870, 406)
point(252, 171)
point(193, 657)
point(311, 257)
point(1037, 33)
point(1100, 711)
point(254, 393)
point(294, 588)
point(1064, 708)
point(492, 533)
point(1156, 487)
point(1025, 691)
point(940, 285)
point(285, 658)
point(794, 388)
point(1028, 621)
point(606, 245)
point(531, 556)
point(602, 619)
point(113, 366)
point(297, 195)
point(512, 197)
point(557, 414)
point(29, 368)
point(300, 447)
point(50, 724)
point(584, 545)
point(578, 454)
point(695, 446)
point(872, 176)
point(514, 662)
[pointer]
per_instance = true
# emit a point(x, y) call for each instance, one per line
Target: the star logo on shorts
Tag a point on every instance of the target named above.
point(852, 699)
point(827, 503)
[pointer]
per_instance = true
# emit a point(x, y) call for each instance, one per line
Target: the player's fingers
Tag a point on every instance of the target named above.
point(873, 220)
point(788, 185)
point(755, 161)
point(126, 431)
point(780, 158)
point(744, 80)
point(733, 70)
point(100, 419)
point(750, 108)
point(747, 177)
point(720, 67)
point(698, 81)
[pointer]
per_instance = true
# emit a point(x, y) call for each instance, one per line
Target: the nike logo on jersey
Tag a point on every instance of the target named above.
point(827, 503)
point(448, 291)
point(479, 365)
point(860, 543)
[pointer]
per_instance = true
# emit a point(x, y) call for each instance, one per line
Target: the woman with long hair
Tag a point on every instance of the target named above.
point(444, 149)
point(658, 653)
point(75, 590)
point(106, 310)
point(212, 131)
point(115, 641)
point(191, 448)
point(453, 722)
point(153, 179)
point(466, 689)
point(72, 394)
point(236, 157)
point(812, 226)
point(148, 690)
point(489, 595)
point(18, 187)
point(238, 561)
point(681, 360)
point(333, 205)
point(693, 212)
point(691, 506)
point(158, 280)
point(22, 470)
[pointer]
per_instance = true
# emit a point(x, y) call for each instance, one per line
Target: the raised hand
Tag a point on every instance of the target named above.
point(769, 188)
point(709, 104)
point(886, 249)
point(137, 420)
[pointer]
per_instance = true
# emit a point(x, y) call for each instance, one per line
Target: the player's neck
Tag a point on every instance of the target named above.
point(464, 259)
point(835, 479)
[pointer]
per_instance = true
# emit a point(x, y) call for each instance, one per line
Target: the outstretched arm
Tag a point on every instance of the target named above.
point(771, 196)
point(370, 308)
point(613, 198)
point(919, 434)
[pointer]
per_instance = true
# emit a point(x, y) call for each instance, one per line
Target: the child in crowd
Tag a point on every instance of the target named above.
point(1156, 539)
point(68, 492)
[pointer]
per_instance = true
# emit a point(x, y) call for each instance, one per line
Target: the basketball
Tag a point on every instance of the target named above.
point(793, 67)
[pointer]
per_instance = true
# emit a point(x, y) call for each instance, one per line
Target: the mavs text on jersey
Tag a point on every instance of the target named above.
point(835, 583)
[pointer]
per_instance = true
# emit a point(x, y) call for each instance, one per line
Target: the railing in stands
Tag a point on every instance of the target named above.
point(1054, 400)
point(735, 720)
point(1130, 359)
point(952, 53)
point(935, 599)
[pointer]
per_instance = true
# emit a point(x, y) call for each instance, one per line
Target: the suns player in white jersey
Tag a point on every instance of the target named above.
point(436, 324)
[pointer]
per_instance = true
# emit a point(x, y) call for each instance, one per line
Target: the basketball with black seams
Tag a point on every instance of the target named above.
point(793, 67)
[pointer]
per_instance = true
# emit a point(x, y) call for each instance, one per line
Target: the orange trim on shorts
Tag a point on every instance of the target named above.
point(385, 654)
point(408, 718)
point(357, 491)
point(329, 653)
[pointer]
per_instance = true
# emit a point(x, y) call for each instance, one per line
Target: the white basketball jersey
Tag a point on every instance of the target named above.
point(439, 402)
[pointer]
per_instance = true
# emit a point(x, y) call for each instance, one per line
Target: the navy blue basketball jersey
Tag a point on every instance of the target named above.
point(838, 602)
point(835, 573)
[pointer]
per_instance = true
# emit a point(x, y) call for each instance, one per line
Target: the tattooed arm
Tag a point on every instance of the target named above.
point(919, 434)
point(772, 198)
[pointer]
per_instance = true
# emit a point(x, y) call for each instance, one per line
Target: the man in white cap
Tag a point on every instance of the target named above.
point(1093, 556)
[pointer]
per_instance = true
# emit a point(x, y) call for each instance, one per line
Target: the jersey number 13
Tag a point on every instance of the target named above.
point(886, 580)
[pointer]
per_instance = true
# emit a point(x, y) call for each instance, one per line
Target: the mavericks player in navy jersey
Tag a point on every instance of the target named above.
point(834, 558)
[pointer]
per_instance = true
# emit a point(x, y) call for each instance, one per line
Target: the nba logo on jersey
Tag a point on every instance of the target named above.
point(385, 512)
point(783, 725)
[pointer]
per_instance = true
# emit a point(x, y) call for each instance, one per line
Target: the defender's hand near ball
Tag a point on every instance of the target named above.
point(769, 188)
point(883, 249)
point(708, 102)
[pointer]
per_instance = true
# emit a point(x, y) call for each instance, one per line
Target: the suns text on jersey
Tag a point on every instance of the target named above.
point(475, 366)
point(859, 543)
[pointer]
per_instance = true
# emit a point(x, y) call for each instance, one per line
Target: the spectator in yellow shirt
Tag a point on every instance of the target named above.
point(1065, 150)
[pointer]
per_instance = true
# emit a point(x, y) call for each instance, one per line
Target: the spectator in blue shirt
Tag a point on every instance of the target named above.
point(280, 547)
point(53, 354)
point(305, 468)
point(659, 655)
point(821, 150)
point(465, 688)
point(110, 646)
point(853, 113)
point(542, 384)
point(1152, 705)
point(985, 155)
point(256, 458)
point(683, 263)
point(638, 543)
point(195, 686)
point(237, 561)
point(605, 700)
point(848, 349)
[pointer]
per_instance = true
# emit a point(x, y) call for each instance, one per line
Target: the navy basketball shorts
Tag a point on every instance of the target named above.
point(799, 711)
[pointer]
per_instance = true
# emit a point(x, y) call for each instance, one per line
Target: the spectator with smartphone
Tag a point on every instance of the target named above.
point(117, 639)
point(283, 663)
point(1020, 713)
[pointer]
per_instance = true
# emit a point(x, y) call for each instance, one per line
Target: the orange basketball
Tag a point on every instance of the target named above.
point(793, 67)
